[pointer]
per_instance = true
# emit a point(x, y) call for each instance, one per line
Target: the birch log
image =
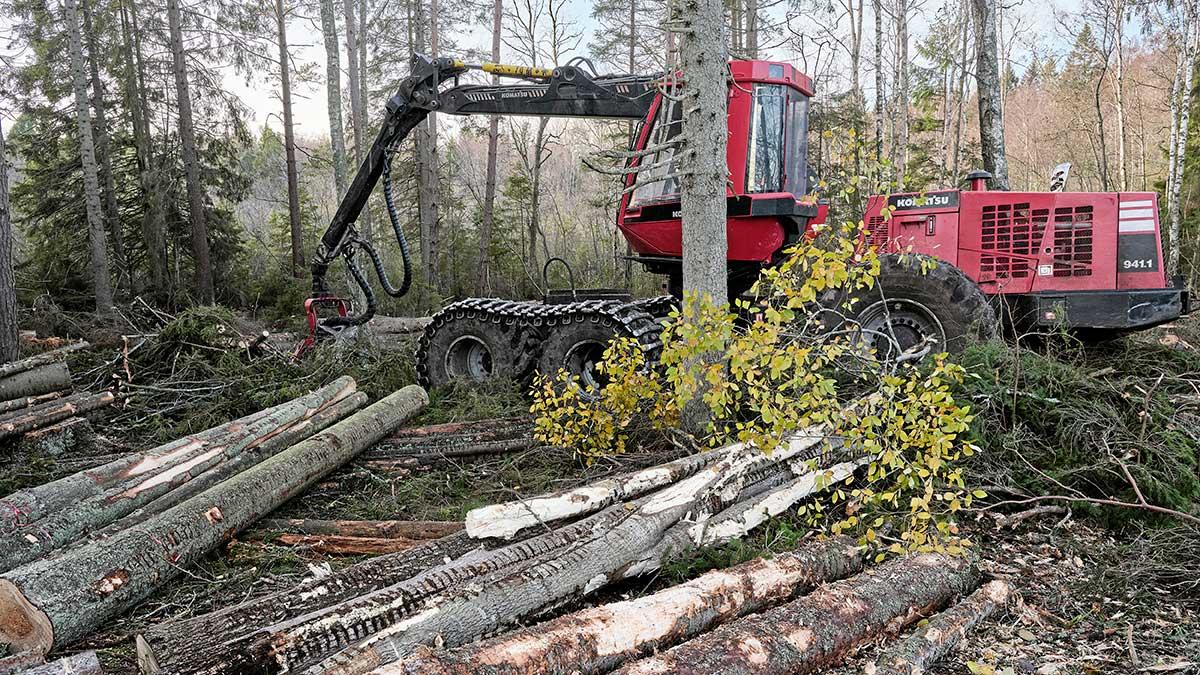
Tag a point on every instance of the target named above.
point(43, 359)
point(55, 602)
point(266, 434)
point(53, 412)
point(35, 381)
point(31, 504)
point(818, 630)
point(599, 639)
point(916, 653)
point(202, 641)
point(83, 663)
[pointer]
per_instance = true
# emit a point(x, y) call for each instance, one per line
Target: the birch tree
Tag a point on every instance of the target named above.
point(333, 95)
point(987, 74)
point(101, 283)
point(203, 279)
point(8, 280)
point(488, 220)
point(289, 143)
point(1187, 40)
point(358, 118)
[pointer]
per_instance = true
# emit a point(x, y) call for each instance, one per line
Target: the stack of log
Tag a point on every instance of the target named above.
point(353, 537)
point(82, 549)
point(421, 448)
point(38, 408)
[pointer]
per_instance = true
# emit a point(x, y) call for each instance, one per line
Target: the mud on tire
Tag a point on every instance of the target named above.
point(465, 344)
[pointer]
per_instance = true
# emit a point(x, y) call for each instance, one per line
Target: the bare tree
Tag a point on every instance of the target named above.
point(333, 91)
point(358, 117)
point(1186, 35)
point(191, 168)
point(87, 154)
point(289, 142)
point(427, 157)
point(8, 280)
point(489, 190)
point(987, 74)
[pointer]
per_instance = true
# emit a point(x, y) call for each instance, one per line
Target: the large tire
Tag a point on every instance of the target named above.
point(916, 300)
point(577, 344)
point(472, 346)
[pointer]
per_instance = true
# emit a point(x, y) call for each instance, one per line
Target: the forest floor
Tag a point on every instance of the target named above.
point(1098, 591)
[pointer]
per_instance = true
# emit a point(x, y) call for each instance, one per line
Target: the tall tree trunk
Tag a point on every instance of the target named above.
point(8, 281)
point(535, 196)
point(87, 154)
point(489, 188)
point(987, 73)
point(289, 144)
point(752, 29)
point(357, 123)
point(187, 140)
point(960, 120)
point(877, 8)
point(112, 209)
point(333, 90)
point(902, 95)
point(364, 97)
point(427, 162)
point(138, 105)
point(1184, 105)
point(1119, 95)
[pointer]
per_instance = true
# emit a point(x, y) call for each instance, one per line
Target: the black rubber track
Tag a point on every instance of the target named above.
point(513, 347)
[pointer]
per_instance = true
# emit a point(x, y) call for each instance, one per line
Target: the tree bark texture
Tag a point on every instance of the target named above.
point(264, 435)
point(173, 647)
point(27, 401)
point(488, 219)
point(357, 113)
point(55, 602)
point(83, 663)
point(382, 529)
point(456, 439)
point(599, 639)
point(333, 95)
point(45, 358)
point(289, 143)
point(991, 105)
point(20, 663)
point(36, 381)
point(877, 10)
point(27, 506)
point(817, 631)
point(1182, 106)
point(9, 343)
point(336, 544)
point(425, 137)
point(101, 282)
point(72, 435)
point(53, 412)
point(916, 653)
point(191, 167)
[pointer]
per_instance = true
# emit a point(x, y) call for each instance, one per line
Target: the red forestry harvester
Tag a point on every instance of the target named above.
point(1091, 262)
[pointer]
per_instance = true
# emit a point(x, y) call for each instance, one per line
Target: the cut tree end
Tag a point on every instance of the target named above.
point(147, 663)
point(23, 627)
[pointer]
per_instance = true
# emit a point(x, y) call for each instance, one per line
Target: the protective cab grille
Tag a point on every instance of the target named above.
point(1073, 241)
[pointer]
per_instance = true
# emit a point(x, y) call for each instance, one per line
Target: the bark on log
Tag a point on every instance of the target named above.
point(387, 625)
point(29, 505)
point(53, 412)
point(172, 647)
point(599, 639)
point(35, 381)
point(381, 325)
point(382, 529)
point(19, 663)
point(457, 439)
point(818, 630)
point(45, 358)
point(265, 436)
point(72, 435)
point(83, 663)
point(26, 401)
point(58, 601)
point(333, 544)
point(916, 653)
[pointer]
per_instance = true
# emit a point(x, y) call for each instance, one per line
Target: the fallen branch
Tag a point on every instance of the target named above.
point(598, 639)
point(58, 601)
point(916, 653)
point(818, 630)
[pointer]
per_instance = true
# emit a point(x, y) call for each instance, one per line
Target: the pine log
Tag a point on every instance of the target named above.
point(83, 663)
point(382, 529)
point(204, 641)
point(26, 506)
point(334, 544)
point(817, 631)
point(72, 435)
point(457, 439)
point(599, 639)
point(53, 412)
point(35, 381)
point(45, 358)
point(387, 626)
point(916, 653)
point(55, 602)
point(267, 434)
point(27, 401)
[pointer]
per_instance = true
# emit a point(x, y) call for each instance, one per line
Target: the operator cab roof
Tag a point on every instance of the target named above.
point(775, 72)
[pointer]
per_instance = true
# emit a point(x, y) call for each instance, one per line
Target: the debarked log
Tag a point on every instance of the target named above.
point(818, 630)
point(55, 602)
point(599, 639)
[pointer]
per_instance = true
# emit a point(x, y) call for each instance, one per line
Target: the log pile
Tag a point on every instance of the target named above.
point(84, 548)
point(38, 407)
point(439, 442)
point(354, 537)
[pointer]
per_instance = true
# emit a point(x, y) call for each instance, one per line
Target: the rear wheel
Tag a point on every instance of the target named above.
point(577, 345)
point(472, 346)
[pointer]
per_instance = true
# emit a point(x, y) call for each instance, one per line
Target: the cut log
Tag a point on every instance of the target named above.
point(72, 435)
point(29, 505)
point(83, 663)
point(817, 631)
point(387, 625)
point(457, 439)
point(383, 529)
point(599, 639)
point(45, 358)
point(35, 381)
point(916, 653)
point(53, 412)
point(266, 435)
point(334, 544)
point(55, 602)
point(26, 401)
point(19, 663)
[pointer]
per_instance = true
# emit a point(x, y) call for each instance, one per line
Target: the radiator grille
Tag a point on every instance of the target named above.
point(1002, 267)
point(1073, 241)
point(877, 232)
point(1010, 231)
